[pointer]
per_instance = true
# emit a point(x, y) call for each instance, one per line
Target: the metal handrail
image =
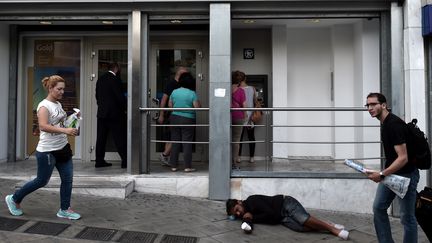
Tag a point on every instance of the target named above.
point(179, 125)
point(173, 141)
point(330, 159)
point(302, 109)
point(173, 109)
point(324, 125)
point(260, 109)
point(268, 126)
point(323, 142)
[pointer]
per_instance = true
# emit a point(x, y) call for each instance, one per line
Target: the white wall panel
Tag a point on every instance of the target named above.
point(280, 96)
point(344, 90)
point(351, 52)
point(308, 85)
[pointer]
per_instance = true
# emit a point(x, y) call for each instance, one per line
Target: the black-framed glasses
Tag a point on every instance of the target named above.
point(371, 104)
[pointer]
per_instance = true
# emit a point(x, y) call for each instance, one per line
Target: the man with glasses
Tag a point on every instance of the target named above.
point(394, 136)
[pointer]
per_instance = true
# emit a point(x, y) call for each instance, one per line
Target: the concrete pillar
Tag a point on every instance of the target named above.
point(397, 78)
point(138, 125)
point(414, 69)
point(220, 101)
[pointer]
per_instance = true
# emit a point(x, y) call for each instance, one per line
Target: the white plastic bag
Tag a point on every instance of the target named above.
point(73, 121)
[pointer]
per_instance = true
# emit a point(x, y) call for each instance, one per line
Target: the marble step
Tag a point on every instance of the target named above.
point(120, 188)
point(179, 184)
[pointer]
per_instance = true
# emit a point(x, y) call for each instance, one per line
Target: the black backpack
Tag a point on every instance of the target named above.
point(418, 147)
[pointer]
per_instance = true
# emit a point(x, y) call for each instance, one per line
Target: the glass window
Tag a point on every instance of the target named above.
point(51, 57)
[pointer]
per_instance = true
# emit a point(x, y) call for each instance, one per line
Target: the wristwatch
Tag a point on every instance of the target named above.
point(381, 175)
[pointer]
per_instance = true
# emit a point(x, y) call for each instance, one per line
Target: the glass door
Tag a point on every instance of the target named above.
point(165, 59)
point(103, 55)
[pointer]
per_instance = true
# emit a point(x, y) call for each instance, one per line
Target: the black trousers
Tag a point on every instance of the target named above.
point(118, 129)
point(251, 137)
point(181, 134)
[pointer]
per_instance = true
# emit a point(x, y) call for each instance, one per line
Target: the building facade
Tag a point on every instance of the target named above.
point(299, 54)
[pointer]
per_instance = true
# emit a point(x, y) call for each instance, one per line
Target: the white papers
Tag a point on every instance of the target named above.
point(356, 166)
point(398, 184)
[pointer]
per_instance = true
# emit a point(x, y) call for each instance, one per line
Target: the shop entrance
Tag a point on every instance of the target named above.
point(165, 58)
point(101, 54)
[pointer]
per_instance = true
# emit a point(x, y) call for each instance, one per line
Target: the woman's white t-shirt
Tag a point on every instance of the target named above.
point(56, 117)
point(250, 92)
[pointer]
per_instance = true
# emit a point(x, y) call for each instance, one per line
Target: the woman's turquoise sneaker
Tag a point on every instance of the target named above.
point(13, 209)
point(68, 214)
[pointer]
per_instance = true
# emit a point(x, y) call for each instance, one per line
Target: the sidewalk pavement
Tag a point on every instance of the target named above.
point(164, 218)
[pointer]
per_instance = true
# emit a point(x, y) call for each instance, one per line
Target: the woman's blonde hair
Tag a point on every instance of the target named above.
point(51, 81)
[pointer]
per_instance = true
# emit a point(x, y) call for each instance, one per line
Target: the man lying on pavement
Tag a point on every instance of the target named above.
point(279, 209)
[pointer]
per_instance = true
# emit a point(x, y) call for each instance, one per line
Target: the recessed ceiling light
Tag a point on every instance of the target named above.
point(176, 21)
point(314, 20)
point(107, 22)
point(248, 21)
point(45, 22)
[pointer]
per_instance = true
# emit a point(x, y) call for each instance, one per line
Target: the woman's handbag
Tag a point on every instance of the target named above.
point(63, 155)
point(257, 115)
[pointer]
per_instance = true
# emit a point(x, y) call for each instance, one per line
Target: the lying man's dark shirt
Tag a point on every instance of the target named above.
point(264, 209)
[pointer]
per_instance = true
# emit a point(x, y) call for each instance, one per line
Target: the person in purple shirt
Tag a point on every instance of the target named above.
point(238, 118)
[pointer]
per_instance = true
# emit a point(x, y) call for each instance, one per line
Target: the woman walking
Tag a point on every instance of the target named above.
point(53, 150)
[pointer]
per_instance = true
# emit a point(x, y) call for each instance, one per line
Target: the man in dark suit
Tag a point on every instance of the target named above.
point(111, 115)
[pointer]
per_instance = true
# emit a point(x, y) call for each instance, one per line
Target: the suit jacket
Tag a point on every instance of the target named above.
point(109, 97)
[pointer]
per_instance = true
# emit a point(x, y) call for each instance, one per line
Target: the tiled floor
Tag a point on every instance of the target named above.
point(26, 167)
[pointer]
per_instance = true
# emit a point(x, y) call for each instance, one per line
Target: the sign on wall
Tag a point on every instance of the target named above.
point(248, 53)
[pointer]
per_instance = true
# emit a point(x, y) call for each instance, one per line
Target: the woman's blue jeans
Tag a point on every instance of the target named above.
point(383, 198)
point(46, 162)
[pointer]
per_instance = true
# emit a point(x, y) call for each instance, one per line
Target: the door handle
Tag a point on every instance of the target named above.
point(200, 76)
point(156, 104)
point(156, 101)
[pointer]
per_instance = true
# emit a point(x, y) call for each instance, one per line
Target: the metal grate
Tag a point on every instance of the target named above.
point(91, 233)
point(137, 237)
point(178, 239)
point(8, 224)
point(47, 228)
